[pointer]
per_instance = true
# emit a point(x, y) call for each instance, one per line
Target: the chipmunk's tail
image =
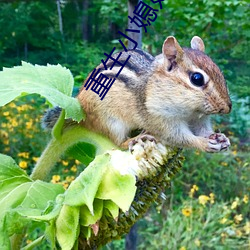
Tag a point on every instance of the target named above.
point(50, 118)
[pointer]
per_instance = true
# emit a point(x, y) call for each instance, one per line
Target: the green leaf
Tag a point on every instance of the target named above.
point(53, 82)
point(58, 127)
point(112, 208)
point(14, 198)
point(6, 186)
point(118, 188)
point(39, 194)
point(83, 152)
point(83, 189)
point(26, 202)
point(50, 234)
point(86, 231)
point(11, 200)
point(46, 216)
point(9, 168)
point(86, 218)
point(14, 223)
point(4, 240)
point(67, 226)
point(20, 197)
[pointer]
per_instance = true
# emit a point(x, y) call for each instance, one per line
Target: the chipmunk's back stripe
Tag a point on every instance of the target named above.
point(146, 55)
point(121, 77)
point(128, 65)
point(136, 63)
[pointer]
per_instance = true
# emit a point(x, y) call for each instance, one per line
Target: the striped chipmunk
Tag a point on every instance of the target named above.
point(169, 97)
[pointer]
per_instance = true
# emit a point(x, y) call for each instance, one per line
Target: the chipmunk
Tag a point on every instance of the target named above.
point(170, 96)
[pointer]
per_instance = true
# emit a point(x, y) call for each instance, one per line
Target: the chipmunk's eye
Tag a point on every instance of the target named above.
point(197, 79)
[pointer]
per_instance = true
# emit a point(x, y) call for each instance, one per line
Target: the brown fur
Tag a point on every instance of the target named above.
point(156, 95)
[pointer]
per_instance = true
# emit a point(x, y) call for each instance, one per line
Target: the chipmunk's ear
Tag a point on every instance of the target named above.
point(172, 50)
point(197, 43)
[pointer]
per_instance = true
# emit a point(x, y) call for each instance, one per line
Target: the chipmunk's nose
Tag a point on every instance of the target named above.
point(227, 108)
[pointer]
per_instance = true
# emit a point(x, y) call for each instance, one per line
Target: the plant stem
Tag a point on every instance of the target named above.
point(57, 147)
point(16, 240)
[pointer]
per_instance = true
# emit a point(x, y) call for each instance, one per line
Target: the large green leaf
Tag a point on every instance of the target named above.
point(20, 197)
point(118, 188)
point(83, 152)
point(67, 226)
point(39, 194)
point(53, 82)
point(9, 168)
point(6, 186)
point(86, 218)
point(112, 208)
point(82, 191)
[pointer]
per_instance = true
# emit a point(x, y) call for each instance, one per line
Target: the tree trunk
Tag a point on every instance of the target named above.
point(59, 16)
point(135, 36)
point(85, 30)
point(131, 238)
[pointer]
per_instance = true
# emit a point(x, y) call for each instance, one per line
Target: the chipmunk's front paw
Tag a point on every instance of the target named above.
point(218, 142)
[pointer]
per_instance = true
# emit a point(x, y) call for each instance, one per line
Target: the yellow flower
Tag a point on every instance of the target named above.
point(70, 178)
point(65, 163)
point(193, 190)
point(223, 235)
point(12, 105)
point(73, 168)
point(29, 124)
point(4, 134)
point(77, 162)
point(238, 218)
point(187, 211)
point(245, 199)
point(23, 164)
point(6, 149)
point(235, 203)
point(23, 107)
point(35, 159)
point(65, 185)
point(197, 242)
point(14, 123)
point(182, 248)
point(247, 227)
point(55, 178)
point(234, 152)
point(225, 164)
point(24, 155)
point(203, 199)
point(6, 113)
point(238, 233)
point(6, 141)
point(211, 195)
point(223, 221)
